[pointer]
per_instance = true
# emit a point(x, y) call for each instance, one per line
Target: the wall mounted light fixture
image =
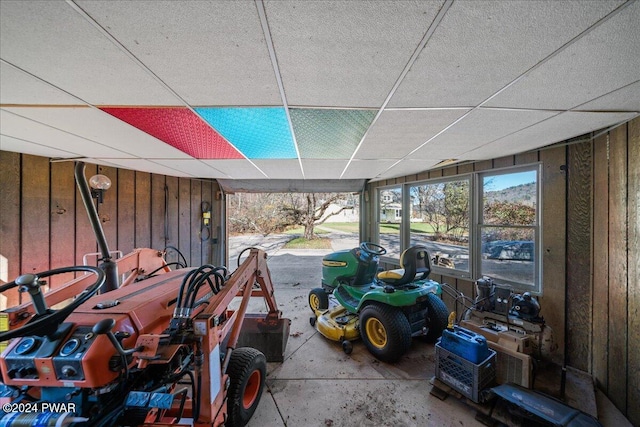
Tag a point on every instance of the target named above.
point(99, 184)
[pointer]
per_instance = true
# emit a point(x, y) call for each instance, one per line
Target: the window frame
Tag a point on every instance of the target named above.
point(378, 223)
point(462, 274)
point(476, 207)
point(536, 288)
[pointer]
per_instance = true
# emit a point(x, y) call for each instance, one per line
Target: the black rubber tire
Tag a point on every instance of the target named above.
point(385, 331)
point(437, 317)
point(247, 370)
point(318, 299)
point(347, 347)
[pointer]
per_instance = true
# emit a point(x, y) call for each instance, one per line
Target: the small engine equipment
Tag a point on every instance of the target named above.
point(484, 289)
point(525, 307)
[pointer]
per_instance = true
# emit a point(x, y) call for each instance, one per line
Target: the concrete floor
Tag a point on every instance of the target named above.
point(319, 385)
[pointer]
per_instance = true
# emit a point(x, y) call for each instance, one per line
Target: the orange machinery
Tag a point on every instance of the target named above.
point(160, 351)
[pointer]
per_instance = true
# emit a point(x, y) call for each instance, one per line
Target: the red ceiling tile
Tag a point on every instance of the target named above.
point(178, 127)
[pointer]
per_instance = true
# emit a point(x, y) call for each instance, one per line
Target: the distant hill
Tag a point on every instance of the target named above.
point(523, 194)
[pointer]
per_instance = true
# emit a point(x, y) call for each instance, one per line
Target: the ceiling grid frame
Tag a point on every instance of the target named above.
point(264, 23)
point(520, 77)
point(423, 42)
point(137, 61)
point(58, 56)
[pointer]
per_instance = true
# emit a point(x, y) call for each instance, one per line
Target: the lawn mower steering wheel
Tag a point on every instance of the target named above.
point(372, 248)
point(47, 320)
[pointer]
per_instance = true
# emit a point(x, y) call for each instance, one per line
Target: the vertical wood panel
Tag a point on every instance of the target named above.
point(172, 218)
point(126, 211)
point(85, 238)
point(633, 363)
point(466, 168)
point(62, 219)
point(579, 256)
point(34, 216)
point(467, 288)
point(553, 241)
point(448, 300)
point(422, 176)
point(10, 218)
point(143, 210)
point(108, 210)
point(158, 213)
point(618, 267)
point(450, 171)
point(184, 223)
point(526, 158)
point(207, 196)
point(504, 162)
point(483, 165)
point(600, 282)
point(196, 222)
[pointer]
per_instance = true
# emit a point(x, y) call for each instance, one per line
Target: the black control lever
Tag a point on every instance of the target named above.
point(31, 283)
point(104, 327)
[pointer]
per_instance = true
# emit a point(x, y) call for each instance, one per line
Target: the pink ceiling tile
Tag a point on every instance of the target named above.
point(178, 127)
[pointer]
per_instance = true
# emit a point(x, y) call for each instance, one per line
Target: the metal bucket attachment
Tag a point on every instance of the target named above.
point(265, 333)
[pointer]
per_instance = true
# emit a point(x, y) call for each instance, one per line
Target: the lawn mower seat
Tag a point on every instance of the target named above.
point(413, 262)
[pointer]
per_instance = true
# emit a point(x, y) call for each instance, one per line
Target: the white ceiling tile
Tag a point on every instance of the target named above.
point(345, 53)
point(556, 129)
point(9, 143)
point(51, 40)
point(18, 87)
point(280, 169)
point(192, 167)
point(235, 168)
point(143, 165)
point(217, 48)
point(480, 127)
point(396, 133)
point(481, 46)
point(47, 136)
point(407, 167)
point(623, 99)
point(323, 168)
point(367, 168)
point(100, 127)
point(605, 59)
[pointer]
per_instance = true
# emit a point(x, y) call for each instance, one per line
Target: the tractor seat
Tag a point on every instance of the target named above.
point(415, 265)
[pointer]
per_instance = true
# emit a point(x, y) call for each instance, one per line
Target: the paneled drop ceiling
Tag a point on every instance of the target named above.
point(315, 92)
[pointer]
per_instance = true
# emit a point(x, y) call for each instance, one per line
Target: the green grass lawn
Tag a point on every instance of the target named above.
point(302, 243)
point(416, 227)
point(348, 227)
point(300, 230)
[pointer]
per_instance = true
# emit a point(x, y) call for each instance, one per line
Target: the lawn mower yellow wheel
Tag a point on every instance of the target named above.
point(385, 331)
point(376, 332)
point(318, 299)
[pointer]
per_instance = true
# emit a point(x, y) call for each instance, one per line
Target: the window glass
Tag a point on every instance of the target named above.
point(440, 221)
point(390, 220)
point(508, 227)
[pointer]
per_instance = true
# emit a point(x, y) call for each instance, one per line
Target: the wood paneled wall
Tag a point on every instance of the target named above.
point(603, 259)
point(591, 254)
point(44, 225)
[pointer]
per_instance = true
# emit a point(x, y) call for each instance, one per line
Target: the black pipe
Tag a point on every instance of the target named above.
point(107, 265)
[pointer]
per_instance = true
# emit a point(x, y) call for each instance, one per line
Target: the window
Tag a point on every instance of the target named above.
point(390, 220)
point(508, 227)
point(475, 225)
point(440, 212)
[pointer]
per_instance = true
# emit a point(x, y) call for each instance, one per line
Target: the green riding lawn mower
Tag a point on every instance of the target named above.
point(384, 308)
